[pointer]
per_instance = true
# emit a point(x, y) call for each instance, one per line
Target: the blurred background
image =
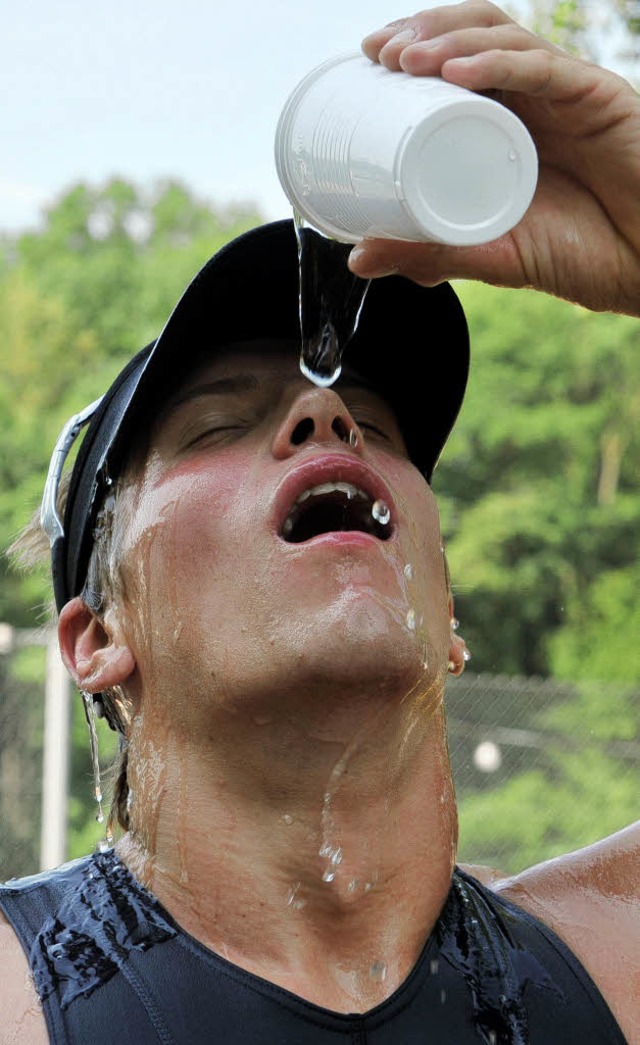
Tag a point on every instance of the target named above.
point(137, 140)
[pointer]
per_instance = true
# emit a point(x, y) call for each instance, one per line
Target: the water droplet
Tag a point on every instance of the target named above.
point(466, 656)
point(411, 620)
point(381, 512)
point(353, 439)
point(493, 1038)
point(328, 876)
point(408, 571)
point(378, 971)
point(434, 966)
point(513, 155)
point(353, 885)
point(177, 631)
point(103, 845)
point(321, 380)
point(286, 818)
point(443, 997)
point(262, 720)
point(336, 857)
point(93, 743)
point(292, 894)
point(455, 623)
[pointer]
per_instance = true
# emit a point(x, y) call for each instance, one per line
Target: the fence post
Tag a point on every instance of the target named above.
point(55, 762)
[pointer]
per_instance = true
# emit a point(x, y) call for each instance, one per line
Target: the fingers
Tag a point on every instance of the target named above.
point(427, 57)
point(386, 45)
point(537, 73)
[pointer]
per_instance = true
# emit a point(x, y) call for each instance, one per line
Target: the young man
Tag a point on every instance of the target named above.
point(252, 586)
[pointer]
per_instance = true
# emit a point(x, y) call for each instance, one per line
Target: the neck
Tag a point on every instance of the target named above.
point(319, 860)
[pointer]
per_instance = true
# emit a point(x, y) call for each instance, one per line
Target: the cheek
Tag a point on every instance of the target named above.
point(176, 534)
point(423, 553)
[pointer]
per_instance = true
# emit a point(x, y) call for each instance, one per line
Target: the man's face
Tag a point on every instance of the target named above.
point(254, 573)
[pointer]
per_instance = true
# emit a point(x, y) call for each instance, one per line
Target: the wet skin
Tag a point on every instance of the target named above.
point(286, 697)
point(286, 720)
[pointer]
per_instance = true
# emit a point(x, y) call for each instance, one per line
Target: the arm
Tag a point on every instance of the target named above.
point(580, 239)
point(23, 1022)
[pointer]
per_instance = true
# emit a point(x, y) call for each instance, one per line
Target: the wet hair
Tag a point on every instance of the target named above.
point(29, 551)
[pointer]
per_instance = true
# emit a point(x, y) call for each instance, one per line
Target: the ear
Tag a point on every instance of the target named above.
point(96, 655)
point(458, 652)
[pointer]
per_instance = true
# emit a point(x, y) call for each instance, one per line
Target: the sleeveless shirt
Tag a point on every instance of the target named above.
point(111, 965)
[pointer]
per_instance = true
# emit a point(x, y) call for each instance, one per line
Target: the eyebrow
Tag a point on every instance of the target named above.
point(223, 386)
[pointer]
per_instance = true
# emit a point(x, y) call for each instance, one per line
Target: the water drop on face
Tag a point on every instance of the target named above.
point(466, 655)
point(408, 571)
point(320, 379)
point(336, 857)
point(292, 894)
point(328, 876)
point(411, 620)
point(378, 971)
point(286, 818)
point(353, 438)
point(381, 512)
point(455, 623)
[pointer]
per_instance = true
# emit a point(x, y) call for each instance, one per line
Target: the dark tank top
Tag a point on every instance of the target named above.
point(111, 965)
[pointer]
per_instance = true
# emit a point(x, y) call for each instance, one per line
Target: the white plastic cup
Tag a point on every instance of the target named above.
point(363, 152)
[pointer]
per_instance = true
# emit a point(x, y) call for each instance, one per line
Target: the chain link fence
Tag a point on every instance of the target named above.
point(541, 767)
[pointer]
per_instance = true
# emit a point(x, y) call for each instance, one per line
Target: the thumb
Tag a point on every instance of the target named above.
point(430, 263)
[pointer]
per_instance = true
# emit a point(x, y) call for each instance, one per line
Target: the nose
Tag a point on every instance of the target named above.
point(317, 415)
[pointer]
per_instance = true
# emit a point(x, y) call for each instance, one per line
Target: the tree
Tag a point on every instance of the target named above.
point(539, 482)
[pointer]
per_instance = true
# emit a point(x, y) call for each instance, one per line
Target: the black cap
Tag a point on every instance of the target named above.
point(411, 343)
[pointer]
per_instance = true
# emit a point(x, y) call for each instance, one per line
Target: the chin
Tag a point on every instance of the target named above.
point(364, 643)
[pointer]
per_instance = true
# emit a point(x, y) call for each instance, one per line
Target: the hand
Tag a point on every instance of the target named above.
point(580, 238)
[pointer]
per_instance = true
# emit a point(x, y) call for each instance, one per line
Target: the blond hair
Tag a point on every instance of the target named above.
point(30, 550)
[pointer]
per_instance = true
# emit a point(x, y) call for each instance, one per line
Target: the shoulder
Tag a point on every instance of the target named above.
point(26, 1024)
point(591, 900)
point(25, 905)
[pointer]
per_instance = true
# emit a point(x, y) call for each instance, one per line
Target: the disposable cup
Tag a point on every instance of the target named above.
point(364, 152)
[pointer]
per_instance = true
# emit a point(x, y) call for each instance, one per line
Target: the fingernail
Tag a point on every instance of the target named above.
point(406, 36)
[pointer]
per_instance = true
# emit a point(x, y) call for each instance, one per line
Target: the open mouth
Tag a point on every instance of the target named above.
point(335, 508)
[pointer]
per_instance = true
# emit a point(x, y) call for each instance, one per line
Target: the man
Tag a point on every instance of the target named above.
point(252, 586)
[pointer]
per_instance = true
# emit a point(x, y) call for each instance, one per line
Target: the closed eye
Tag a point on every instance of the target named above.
point(216, 433)
point(367, 426)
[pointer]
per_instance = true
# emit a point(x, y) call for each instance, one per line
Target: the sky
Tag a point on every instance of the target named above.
point(188, 90)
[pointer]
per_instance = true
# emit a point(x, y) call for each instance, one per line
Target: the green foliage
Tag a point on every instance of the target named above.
point(77, 299)
point(539, 487)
